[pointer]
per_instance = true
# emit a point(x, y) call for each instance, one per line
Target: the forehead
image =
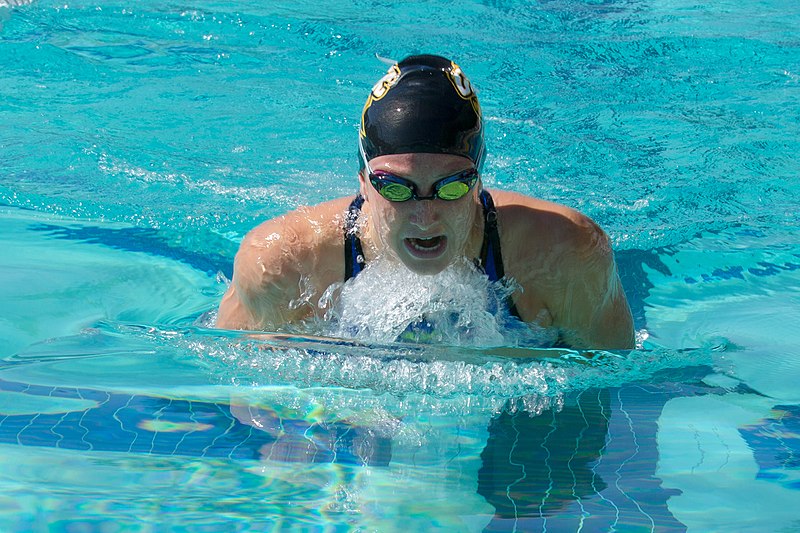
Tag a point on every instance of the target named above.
point(421, 166)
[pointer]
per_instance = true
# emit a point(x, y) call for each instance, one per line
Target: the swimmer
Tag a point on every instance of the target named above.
point(421, 204)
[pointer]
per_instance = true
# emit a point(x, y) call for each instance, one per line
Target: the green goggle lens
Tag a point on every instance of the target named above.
point(453, 190)
point(395, 192)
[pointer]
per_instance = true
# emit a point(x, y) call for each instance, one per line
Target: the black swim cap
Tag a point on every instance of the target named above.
point(424, 104)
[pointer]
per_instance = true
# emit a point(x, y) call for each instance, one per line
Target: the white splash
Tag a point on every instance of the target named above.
point(388, 302)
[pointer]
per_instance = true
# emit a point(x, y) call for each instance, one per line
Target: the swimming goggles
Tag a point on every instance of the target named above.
point(397, 189)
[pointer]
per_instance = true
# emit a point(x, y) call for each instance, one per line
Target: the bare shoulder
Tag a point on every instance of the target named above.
point(297, 243)
point(565, 266)
point(534, 230)
point(298, 234)
point(295, 255)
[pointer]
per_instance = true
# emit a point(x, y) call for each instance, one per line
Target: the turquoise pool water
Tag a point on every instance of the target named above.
point(140, 142)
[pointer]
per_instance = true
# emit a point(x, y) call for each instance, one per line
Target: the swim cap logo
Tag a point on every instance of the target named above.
point(463, 86)
point(460, 82)
point(385, 83)
point(379, 91)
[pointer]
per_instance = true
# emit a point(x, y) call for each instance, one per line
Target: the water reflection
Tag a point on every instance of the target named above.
point(537, 465)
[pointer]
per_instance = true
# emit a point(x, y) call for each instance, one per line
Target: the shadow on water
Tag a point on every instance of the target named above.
point(635, 281)
point(150, 241)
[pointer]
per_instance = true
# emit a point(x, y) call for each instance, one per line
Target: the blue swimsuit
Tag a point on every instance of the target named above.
point(490, 261)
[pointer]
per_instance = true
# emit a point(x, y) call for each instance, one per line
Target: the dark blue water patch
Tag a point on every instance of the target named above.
point(770, 269)
point(751, 232)
point(738, 272)
point(775, 441)
point(732, 272)
point(329, 37)
point(635, 282)
point(111, 52)
point(151, 425)
point(18, 207)
point(147, 240)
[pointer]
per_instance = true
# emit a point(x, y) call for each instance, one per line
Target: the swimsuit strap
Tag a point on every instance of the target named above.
point(491, 259)
point(353, 253)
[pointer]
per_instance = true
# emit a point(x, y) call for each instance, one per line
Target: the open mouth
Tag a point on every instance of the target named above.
point(426, 248)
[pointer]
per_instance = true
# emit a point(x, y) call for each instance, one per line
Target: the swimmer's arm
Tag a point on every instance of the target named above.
point(592, 311)
point(283, 266)
point(265, 282)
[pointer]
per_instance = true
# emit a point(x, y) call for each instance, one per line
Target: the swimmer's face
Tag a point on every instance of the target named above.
point(426, 235)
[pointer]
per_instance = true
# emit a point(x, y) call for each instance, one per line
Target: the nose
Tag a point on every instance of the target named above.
point(424, 213)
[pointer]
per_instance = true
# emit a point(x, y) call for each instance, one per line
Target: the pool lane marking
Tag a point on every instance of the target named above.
point(122, 425)
point(584, 513)
point(29, 424)
point(23, 391)
point(52, 429)
point(238, 445)
point(778, 433)
point(155, 425)
point(597, 463)
point(457, 453)
point(278, 437)
point(727, 449)
point(83, 414)
point(424, 436)
point(628, 459)
point(335, 447)
point(553, 427)
point(192, 430)
point(230, 427)
point(61, 436)
point(310, 439)
point(522, 467)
